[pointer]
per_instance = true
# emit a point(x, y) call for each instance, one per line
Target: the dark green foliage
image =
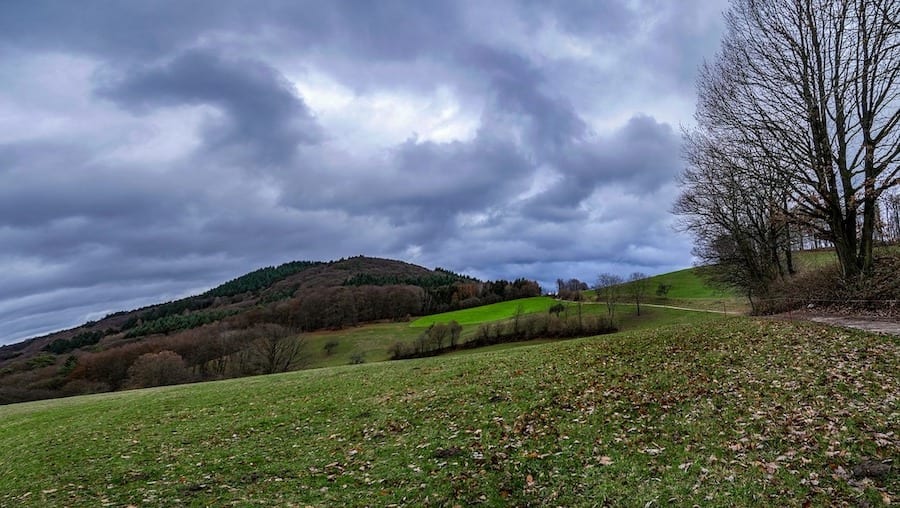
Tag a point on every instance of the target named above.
point(69, 366)
point(556, 309)
point(174, 323)
point(177, 307)
point(662, 290)
point(62, 346)
point(277, 296)
point(260, 279)
point(330, 346)
point(39, 361)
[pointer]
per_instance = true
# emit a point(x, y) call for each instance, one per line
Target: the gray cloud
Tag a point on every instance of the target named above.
point(262, 112)
point(148, 151)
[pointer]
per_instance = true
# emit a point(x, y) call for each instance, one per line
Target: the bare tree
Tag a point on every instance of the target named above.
point(732, 201)
point(158, 369)
point(609, 289)
point(891, 219)
point(638, 287)
point(278, 349)
point(809, 91)
point(455, 330)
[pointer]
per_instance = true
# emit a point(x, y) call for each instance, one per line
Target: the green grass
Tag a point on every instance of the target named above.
point(487, 313)
point(373, 341)
point(688, 289)
point(812, 259)
point(686, 284)
point(728, 412)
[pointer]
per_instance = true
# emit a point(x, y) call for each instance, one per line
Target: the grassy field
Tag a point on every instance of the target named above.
point(689, 290)
point(487, 313)
point(686, 284)
point(371, 342)
point(728, 412)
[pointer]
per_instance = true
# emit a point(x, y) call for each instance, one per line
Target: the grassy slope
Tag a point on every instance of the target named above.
point(686, 284)
point(486, 313)
point(374, 340)
point(729, 412)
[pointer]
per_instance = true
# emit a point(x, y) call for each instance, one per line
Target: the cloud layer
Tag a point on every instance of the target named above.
point(149, 151)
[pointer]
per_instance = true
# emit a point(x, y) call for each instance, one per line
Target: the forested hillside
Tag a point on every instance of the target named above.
point(251, 324)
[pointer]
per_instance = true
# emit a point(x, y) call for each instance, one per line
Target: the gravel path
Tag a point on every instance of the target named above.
point(861, 323)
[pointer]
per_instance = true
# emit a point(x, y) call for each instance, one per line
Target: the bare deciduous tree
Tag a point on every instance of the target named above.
point(805, 94)
point(609, 288)
point(157, 369)
point(278, 349)
point(638, 287)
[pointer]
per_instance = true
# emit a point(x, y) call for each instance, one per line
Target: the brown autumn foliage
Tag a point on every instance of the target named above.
point(158, 369)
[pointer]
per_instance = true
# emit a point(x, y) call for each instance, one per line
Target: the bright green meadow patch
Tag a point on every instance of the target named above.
point(487, 313)
point(730, 412)
point(685, 283)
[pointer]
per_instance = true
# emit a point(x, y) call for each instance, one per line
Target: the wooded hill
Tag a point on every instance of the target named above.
point(239, 327)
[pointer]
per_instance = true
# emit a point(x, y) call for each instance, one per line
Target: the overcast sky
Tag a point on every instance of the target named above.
point(152, 150)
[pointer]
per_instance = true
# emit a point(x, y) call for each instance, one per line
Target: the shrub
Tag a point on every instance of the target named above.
point(157, 369)
point(662, 290)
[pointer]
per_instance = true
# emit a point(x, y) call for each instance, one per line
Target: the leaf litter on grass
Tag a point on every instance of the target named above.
point(728, 413)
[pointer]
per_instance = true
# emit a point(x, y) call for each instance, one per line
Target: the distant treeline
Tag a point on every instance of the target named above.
point(442, 338)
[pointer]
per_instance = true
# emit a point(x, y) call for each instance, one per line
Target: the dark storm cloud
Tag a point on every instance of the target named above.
point(639, 158)
point(150, 150)
point(518, 88)
point(263, 113)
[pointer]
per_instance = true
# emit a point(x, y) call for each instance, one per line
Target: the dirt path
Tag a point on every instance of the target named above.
point(730, 313)
point(886, 326)
point(860, 323)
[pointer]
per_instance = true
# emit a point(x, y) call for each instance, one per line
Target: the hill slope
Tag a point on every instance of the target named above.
point(262, 286)
point(736, 412)
point(227, 331)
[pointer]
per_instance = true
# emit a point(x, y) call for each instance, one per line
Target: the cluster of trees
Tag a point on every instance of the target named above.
point(176, 322)
point(436, 339)
point(209, 352)
point(340, 307)
point(62, 346)
point(442, 338)
point(798, 129)
point(445, 290)
point(570, 289)
point(260, 279)
point(164, 310)
point(549, 325)
point(612, 289)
